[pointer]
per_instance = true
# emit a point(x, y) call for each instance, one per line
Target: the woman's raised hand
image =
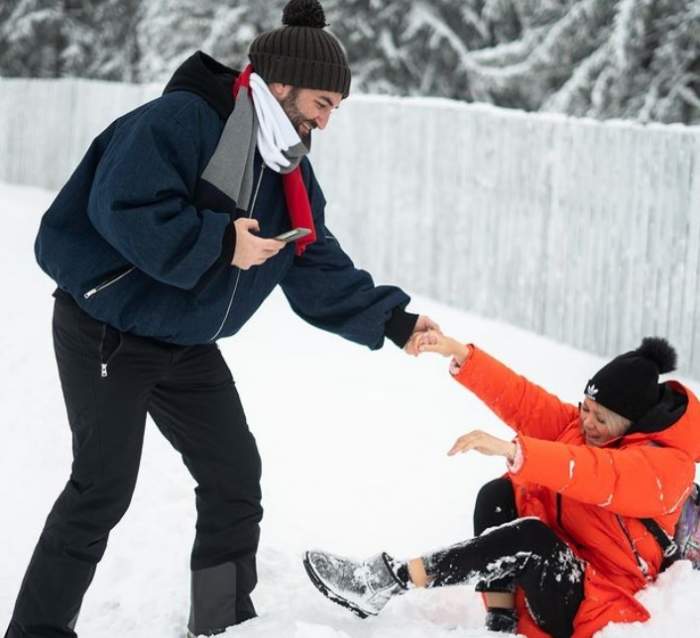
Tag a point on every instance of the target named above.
point(484, 443)
point(433, 341)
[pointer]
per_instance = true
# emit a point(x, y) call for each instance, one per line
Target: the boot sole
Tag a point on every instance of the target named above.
point(331, 595)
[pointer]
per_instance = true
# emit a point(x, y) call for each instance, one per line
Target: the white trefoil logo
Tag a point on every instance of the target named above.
point(591, 391)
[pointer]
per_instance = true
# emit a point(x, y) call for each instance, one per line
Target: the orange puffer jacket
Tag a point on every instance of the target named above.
point(592, 497)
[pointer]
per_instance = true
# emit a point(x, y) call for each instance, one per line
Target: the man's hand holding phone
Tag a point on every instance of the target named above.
point(252, 250)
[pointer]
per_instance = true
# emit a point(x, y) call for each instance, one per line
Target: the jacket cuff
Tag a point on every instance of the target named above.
point(228, 243)
point(455, 366)
point(478, 372)
point(547, 463)
point(400, 326)
point(516, 464)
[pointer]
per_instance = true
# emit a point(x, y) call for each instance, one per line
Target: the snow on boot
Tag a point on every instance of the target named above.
point(363, 587)
point(502, 620)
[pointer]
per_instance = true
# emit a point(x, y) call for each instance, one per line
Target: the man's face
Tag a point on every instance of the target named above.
point(307, 109)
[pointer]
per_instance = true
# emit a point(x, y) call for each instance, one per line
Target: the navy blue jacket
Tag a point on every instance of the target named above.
point(143, 244)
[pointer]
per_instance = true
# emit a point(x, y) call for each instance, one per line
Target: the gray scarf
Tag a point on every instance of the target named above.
point(263, 125)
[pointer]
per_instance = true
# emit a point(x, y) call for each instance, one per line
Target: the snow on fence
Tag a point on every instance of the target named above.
point(586, 232)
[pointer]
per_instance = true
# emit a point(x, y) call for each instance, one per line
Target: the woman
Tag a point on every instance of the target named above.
point(560, 548)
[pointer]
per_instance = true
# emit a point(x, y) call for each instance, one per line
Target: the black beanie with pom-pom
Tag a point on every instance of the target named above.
point(302, 53)
point(629, 384)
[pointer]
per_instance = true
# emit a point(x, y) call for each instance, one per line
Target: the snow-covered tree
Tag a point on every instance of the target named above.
point(600, 58)
point(170, 30)
point(555, 38)
point(648, 67)
point(115, 53)
point(40, 38)
point(46, 38)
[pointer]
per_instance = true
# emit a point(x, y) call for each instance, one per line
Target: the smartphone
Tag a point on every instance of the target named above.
point(293, 235)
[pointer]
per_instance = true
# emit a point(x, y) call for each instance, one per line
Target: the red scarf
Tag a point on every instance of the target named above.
point(294, 188)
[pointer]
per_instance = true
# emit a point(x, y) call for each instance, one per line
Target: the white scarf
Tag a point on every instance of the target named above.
point(257, 121)
point(278, 141)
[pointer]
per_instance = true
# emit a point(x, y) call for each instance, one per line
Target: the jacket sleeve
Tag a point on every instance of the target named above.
point(522, 405)
point(325, 289)
point(141, 197)
point(642, 481)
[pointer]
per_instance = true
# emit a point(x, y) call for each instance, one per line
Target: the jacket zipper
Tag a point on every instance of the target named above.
point(106, 284)
point(238, 275)
point(640, 562)
point(559, 523)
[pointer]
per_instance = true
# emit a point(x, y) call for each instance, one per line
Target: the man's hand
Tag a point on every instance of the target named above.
point(251, 250)
point(484, 443)
point(423, 325)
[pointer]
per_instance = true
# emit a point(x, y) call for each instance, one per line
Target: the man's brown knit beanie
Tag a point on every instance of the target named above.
point(302, 53)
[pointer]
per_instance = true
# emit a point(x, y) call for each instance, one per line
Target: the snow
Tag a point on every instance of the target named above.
point(363, 469)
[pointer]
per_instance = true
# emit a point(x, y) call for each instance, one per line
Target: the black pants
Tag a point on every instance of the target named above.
point(523, 552)
point(495, 505)
point(191, 396)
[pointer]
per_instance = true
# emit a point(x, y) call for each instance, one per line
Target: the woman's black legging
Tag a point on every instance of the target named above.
point(495, 505)
point(523, 552)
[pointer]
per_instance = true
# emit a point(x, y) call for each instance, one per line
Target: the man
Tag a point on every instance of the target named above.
point(162, 242)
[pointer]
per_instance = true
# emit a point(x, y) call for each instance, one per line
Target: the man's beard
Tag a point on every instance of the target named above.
point(296, 117)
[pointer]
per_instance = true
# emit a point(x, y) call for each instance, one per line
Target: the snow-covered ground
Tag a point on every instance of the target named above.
point(363, 469)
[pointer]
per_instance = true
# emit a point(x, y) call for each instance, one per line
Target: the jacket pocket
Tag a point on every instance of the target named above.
point(106, 284)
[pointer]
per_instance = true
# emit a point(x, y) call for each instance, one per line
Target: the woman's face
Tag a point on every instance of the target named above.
point(599, 426)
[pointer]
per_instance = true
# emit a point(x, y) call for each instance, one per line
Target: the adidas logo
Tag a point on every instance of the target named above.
point(591, 391)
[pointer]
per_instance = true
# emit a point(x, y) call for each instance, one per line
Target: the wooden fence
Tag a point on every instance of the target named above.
point(584, 231)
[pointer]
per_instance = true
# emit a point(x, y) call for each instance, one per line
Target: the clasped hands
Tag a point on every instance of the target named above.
point(427, 337)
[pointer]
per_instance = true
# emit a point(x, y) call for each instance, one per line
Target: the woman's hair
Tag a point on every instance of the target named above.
point(616, 423)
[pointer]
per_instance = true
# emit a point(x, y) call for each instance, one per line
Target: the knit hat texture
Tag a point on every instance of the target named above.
point(302, 53)
point(629, 384)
